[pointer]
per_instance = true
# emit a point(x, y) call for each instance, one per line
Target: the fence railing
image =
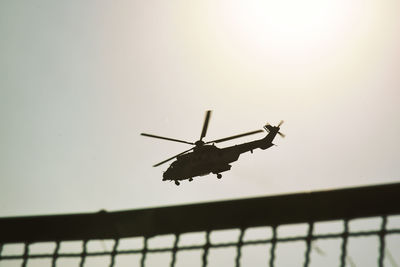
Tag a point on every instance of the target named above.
point(274, 211)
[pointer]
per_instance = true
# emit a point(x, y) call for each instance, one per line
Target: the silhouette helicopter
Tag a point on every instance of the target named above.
point(207, 158)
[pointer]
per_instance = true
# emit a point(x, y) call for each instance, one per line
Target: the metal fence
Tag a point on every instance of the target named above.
point(381, 201)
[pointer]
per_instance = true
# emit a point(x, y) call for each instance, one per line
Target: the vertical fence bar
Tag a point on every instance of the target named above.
point(273, 246)
point(143, 259)
point(382, 234)
point(26, 254)
point(206, 248)
point(174, 250)
point(308, 244)
point(239, 247)
point(345, 236)
point(83, 254)
point(114, 252)
point(55, 254)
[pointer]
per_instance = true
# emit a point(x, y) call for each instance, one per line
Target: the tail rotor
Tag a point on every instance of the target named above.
point(268, 127)
point(279, 125)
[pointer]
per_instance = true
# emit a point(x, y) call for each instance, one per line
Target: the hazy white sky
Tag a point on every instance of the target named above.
point(79, 80)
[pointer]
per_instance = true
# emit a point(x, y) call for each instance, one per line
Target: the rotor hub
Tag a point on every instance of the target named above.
point(199, 143)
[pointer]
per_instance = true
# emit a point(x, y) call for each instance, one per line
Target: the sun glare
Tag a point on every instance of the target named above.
point(298, 28)
point(287, 45)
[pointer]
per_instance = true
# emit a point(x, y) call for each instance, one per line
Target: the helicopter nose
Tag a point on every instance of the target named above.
point(165, 176)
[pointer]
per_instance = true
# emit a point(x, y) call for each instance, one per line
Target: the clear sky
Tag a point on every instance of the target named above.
point(80, 80)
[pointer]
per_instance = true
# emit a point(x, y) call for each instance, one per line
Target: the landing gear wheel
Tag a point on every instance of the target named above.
point(177, 183)
point(190, 179)
point(219, 176)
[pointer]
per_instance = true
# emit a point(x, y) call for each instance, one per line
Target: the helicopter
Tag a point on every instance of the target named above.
point(205, 158)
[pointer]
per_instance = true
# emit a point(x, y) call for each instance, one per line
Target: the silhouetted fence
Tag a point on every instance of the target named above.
point(381, 201)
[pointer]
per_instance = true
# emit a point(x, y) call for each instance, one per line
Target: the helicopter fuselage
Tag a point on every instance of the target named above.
point(207, 159)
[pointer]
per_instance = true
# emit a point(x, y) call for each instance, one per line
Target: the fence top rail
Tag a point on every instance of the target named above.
point(325, 205)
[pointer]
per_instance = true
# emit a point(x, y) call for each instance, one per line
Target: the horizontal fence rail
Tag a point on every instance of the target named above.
point(273, 211)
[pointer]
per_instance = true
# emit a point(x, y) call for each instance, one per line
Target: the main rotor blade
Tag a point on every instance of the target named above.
point(281, 134)
point(235, 136)
point(280, 123)
point(166, 138)
point(171, 158)
point(205, 124)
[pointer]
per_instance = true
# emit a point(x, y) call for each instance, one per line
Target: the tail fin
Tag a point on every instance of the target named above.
point(272, 132)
